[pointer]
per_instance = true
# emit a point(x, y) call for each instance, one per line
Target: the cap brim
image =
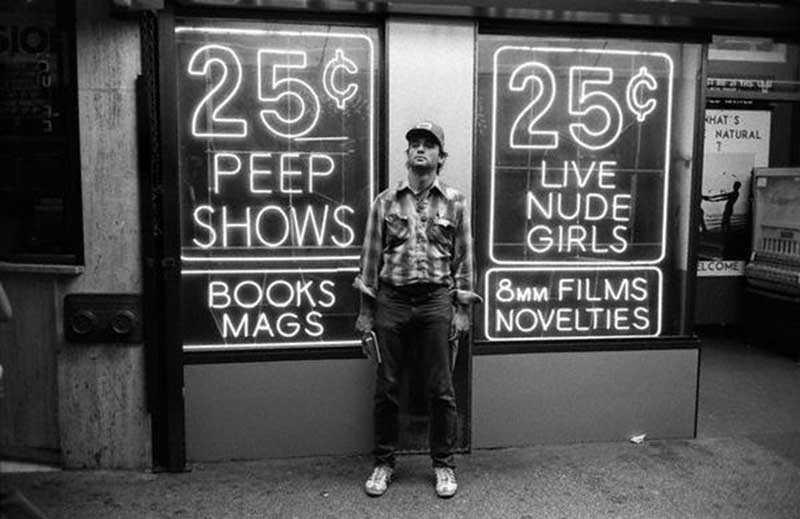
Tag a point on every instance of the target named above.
point(414, 131)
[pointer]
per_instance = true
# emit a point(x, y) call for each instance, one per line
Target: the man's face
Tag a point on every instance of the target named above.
point(424, 152)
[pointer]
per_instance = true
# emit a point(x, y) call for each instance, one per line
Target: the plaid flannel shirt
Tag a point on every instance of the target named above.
point(426, 240)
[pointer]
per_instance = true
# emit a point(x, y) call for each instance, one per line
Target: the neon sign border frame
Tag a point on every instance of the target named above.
point(371, 144)
point(605, 268)
point(188, 348)
point(493, 155)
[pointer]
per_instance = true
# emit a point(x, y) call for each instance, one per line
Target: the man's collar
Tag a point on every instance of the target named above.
point(441, 187)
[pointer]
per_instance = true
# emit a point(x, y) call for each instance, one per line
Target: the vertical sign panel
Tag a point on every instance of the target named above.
point(567, 128)
point(577, 209)
point(277, 141)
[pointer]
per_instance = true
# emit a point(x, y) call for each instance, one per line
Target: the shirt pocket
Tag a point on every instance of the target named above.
point(441, 235)
point(397, 229)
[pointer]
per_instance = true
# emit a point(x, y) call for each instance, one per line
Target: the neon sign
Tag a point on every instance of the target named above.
point(565, 303)
point(262, 308)
point(530, 115)
point(295, 139)
point(200, 65)
point(276, 158)
point(579, 164)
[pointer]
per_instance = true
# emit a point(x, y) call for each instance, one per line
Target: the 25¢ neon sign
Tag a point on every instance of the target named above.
point(576, 133)
point(290, 105)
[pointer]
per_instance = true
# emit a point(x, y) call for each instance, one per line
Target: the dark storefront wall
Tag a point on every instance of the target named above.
point(278, 409)
point(580, 397)
point(246, 399)
point(502, 383)
point(522, 392)
point(572, 386)
point(277, 127)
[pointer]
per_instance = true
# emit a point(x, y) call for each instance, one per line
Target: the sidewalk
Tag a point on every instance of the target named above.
point(714, 478)
point(745, 463)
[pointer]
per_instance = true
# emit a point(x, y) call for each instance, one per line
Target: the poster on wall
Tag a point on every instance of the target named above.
point(37, 141)
point(276, 160)
point(736, 141)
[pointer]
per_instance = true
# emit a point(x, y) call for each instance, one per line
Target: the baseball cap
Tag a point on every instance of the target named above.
point(430, 128)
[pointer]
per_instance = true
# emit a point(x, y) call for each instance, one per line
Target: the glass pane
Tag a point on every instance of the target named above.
point(277, 142)
point(750, 122)
point(584, 160)
point(39, 185)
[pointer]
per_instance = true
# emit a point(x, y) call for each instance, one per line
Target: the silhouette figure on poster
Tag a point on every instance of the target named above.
point(730, 199)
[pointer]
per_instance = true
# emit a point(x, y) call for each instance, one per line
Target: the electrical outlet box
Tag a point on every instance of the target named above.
point(103, 318)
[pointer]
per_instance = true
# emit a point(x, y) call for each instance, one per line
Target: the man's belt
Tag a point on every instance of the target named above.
point(415, 289)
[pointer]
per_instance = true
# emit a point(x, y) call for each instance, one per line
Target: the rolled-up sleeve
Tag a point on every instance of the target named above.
point(462, 265)
point(371, 252)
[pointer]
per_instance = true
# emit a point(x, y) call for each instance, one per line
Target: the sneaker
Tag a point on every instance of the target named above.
point(446, 485)
point(379, 480)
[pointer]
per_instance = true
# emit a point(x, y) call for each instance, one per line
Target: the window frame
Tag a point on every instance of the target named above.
point(685, 338)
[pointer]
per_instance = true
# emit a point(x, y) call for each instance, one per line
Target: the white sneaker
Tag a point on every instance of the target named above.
point(379, 480)
point(446, 485)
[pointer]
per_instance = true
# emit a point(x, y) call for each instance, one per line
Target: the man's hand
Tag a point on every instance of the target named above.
point(460, 324)
point(364, 323)
point(366, 314)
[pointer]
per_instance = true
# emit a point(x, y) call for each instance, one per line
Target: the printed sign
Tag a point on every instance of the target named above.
point(31, 98)
point(735, 142)
point(277, 129)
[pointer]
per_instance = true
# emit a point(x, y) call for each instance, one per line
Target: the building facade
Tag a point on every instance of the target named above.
point(199, 196)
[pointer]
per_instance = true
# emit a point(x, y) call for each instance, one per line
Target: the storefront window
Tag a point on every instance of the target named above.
point(277, 140)
point(40, 202)
point(585, 153)
point(753, 97)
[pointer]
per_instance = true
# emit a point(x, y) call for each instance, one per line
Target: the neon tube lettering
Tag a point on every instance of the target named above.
point(218, 171)
point(292, 325)
point(277, 284)
point(228, 327)
point(315, 327)
point(601, 101)
point(263, 325)
point(326, 287)
point(287, 88)
point(216, 290)
point(216, 54)
point(312, 172)
point(286, 159)
point(259, 226)
point(542, 77)
point(212, 234)
point(334, 65)
point(633, 95)
point(254, 171)
point(300, 229)
point(226, 226)
point(243, 286)
point(345, 227)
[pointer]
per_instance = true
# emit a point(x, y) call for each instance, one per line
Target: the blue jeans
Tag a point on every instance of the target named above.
point(415, 316)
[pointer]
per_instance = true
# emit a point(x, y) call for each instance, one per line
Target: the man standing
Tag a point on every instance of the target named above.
point(416, 290)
